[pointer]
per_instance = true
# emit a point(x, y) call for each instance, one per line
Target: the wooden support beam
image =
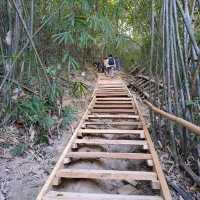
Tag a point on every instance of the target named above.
point(59, 165)
point(164, 187)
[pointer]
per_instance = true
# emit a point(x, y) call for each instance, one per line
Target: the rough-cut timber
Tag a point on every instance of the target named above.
point(114, 112)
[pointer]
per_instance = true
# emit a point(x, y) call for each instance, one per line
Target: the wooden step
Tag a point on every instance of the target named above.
point(99, 102)
point(111, 87)
point(114, 123)
point(120, 91)
point(113, 106)
point(111, 131)
point(114, 99)
point(107, 174)
point(53, 195)
point(113, 110)
point(96, 116)
point(110, 90)
point(129, 156)
point(111, 95)
point(111, 142)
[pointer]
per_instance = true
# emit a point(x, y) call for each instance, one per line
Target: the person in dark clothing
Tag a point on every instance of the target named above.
point(111, 64)
point(117, 63)
point(98, 66)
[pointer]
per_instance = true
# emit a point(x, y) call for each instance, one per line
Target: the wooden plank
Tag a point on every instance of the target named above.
point(113, 106)
point(59, 163)
point(111, 95)
point(111, 90)
point(164, 187)
point(98, 116)
point(107, 174)
point(111, 86)
point(114, 123)
point(111, 142)
point(130, 156)
point(113, 102)
point(114, 99)
point(111, 131)
point(113, 110)
point(53, 195)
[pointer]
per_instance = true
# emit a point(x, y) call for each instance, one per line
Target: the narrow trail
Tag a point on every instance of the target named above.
point(110, 154)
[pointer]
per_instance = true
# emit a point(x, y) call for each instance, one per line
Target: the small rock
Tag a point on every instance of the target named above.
point(126, 189)
point(132, 182)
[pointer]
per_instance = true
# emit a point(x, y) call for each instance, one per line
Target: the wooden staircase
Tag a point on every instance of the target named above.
point(112, 111)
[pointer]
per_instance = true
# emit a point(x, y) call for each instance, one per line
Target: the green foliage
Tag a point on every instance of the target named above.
point(53, 94)
point(65, 37)
point(35, 111)
point(79, 88)
point(42, 138)
point(193, 103)
point(68, 115)
point(71, 62)
point(53, 70)
point(19, 149)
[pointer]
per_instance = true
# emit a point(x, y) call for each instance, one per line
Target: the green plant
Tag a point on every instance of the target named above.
point(53, 94)
point(19, 149)
point(79, 88)
point(68, 114)
point(35, 111)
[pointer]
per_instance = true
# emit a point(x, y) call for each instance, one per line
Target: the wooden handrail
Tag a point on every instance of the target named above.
point(194, 128)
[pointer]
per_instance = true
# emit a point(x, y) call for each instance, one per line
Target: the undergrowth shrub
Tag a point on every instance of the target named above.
point(36, 111)
point(68, 115)
point(19, 149)
point(79, 88)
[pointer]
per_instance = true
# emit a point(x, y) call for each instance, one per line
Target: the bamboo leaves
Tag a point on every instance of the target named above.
point(65, 37)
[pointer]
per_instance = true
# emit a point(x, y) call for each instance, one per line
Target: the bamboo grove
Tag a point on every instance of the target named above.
point(175, 62)
point(44, 41)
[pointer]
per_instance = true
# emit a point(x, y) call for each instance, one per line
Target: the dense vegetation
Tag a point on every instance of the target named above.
point(42, 42)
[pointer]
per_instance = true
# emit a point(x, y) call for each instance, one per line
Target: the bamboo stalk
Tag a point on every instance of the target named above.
point(31, 41)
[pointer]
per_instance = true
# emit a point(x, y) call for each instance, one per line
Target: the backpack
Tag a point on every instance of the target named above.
point(111, 61)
